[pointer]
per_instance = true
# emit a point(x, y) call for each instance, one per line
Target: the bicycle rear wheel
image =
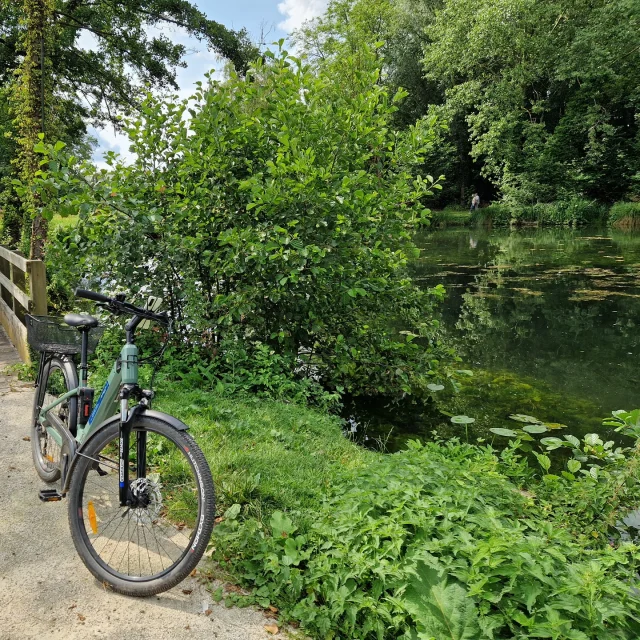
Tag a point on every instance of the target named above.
point(57, 377)
point(144, 550)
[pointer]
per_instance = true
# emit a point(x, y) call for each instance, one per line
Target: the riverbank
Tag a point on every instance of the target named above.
point(573, 213)
point(356, 544)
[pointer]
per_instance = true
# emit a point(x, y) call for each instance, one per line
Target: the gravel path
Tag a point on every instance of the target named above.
point(45, 590)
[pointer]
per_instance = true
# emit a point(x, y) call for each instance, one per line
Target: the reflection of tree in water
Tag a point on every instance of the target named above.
point(547, 320)
point(558, 317)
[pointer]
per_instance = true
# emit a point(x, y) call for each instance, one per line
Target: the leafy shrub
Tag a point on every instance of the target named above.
point(625, 215)
point(276, 220)
point(431, 539)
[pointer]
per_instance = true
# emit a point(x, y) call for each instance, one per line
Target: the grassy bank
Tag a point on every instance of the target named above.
point(625, 215)
point(439, 540)
point(573, 213)
point(266, 455)
point(450, 216)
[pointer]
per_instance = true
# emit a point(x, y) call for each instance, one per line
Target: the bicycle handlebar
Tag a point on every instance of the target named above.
point(120, 306)
point(92, 295)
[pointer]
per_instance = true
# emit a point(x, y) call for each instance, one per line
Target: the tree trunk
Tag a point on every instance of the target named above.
point(31, 94)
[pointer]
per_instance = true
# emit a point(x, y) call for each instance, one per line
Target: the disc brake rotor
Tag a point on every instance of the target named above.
point(147, 491)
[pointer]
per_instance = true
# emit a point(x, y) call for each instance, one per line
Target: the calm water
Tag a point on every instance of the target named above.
point(548, 320)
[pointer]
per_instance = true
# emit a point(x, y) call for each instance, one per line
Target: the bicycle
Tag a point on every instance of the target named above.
point(141, 497)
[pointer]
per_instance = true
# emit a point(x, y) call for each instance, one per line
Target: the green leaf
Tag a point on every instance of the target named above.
point(508, 433)
point(232, 512)
point(441, 609)
point(552, 443)
point(435, 387)
point(543, 461)
point(520, 417)
point(573, 465)
point(281, 525)
point(573, 440)
point(535, 428)
point(462, 420)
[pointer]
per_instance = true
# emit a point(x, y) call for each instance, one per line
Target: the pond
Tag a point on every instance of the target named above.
point(547, 320)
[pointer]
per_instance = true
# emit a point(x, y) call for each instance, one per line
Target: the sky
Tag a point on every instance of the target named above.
point(273, 19)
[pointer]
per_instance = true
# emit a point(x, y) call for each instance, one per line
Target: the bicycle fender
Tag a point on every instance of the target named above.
point(172, 421)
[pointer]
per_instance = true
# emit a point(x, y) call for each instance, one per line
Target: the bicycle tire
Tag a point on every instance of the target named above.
point(90, 537)
point(60, 372)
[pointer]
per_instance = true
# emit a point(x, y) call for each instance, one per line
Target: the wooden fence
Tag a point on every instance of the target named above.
point(23, 289)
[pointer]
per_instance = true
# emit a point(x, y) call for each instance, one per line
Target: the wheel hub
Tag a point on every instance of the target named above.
point(148, 500)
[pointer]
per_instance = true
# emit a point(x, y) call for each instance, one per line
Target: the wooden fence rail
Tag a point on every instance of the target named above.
point(23, 289)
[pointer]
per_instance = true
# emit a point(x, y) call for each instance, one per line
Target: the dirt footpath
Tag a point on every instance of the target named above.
point(45, 590)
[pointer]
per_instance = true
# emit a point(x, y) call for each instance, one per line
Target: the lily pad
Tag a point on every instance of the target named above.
point(462, 420)
point(520, 417)
point(435, 387)
point(508, 433)
point(554, 425)
point(535, 428)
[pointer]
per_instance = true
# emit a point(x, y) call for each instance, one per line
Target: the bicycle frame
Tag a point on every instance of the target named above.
point(105, 407)
point(120, 385)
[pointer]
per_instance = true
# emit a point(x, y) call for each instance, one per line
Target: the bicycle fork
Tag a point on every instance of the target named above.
point(127, 418)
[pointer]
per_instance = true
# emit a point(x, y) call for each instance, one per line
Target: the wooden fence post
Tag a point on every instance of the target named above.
point(38, 287)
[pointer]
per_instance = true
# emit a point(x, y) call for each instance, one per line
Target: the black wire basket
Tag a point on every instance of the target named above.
point(51, 334)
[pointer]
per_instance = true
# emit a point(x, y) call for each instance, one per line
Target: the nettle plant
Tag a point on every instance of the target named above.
point(273, 212)
point(593, 486)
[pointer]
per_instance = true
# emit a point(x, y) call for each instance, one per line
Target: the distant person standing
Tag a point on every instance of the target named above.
point(475, 202)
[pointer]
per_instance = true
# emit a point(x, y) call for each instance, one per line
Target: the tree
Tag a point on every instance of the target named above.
point(549, 90)
point(83, 87)
point(131, 49)
point(397, 31)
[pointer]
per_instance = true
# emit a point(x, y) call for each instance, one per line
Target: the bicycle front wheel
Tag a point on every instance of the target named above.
point(148, 549)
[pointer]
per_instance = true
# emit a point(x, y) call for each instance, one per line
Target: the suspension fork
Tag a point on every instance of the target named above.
point(127, 418)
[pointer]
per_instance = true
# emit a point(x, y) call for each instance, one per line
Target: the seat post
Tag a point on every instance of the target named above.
point(83, 355)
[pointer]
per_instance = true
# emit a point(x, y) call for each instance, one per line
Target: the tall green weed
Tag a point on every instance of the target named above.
point(574, 212)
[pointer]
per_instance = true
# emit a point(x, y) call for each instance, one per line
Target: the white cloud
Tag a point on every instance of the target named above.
point(298, 11)
point(110, 140)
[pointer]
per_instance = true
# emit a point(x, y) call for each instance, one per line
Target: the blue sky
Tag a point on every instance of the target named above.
point(274, 18)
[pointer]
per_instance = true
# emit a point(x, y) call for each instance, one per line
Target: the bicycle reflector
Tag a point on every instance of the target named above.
point(86, 404)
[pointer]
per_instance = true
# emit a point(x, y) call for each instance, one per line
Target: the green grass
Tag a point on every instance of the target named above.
point(59, 222)
point(625, 215)
point(450, 216)
point(266, 455)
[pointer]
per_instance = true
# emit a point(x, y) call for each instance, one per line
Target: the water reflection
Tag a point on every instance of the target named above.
point(547, 318)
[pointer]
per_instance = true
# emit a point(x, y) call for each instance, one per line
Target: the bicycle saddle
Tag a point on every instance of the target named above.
point(78, 320)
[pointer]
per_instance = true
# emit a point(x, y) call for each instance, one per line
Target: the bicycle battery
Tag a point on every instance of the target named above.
point(86, 404)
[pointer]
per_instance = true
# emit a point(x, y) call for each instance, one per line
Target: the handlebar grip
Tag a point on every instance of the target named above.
point(91, 295)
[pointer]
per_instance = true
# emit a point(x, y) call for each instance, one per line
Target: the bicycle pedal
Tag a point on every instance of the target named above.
point(49, 495)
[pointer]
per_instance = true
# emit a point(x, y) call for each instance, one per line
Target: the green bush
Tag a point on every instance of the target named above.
point(276, 221)
point(625, 215)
